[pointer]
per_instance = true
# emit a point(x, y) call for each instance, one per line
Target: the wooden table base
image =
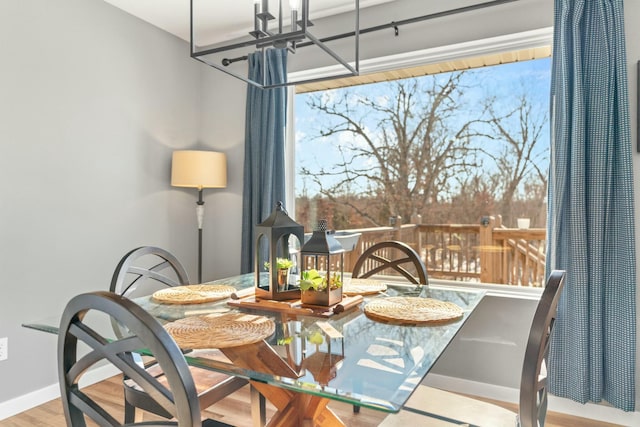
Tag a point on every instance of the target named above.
point(297, 409)
point(293, 409)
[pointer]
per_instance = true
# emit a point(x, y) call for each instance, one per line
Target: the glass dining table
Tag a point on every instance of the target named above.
point(311, 360)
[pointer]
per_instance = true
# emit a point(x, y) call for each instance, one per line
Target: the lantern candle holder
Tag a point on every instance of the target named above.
point(277, 245)
point(322, 268)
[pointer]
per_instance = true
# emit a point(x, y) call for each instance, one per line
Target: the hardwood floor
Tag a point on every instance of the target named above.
point(235, 410)
point(555, 419)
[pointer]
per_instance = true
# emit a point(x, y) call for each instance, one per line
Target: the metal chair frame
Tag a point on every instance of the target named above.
point(127, 266)
point(166, 273)
point(179, 398)
point(533, 387)
point(375, 253)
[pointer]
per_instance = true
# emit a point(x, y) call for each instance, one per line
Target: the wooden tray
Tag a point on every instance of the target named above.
point(296, 306)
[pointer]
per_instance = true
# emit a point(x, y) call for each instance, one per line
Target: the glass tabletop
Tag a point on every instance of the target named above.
point(347, 356)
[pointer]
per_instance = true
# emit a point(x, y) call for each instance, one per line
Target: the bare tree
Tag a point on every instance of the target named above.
point(402, 150)
point(476, 197)
point(519, 132)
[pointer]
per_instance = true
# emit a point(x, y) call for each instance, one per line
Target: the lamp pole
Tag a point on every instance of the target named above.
point(200, 216)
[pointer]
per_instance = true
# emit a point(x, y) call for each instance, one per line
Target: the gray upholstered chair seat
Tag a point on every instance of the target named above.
point(449, 409)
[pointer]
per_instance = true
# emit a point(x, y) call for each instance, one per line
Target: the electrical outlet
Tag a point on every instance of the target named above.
point(4, 348)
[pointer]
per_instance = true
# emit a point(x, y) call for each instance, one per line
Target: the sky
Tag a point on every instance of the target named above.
point(504, 82)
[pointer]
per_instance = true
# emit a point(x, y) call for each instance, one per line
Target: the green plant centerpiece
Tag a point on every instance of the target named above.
point(322, 268)
point(281, 264)
point(284, 266)
point(313, 280)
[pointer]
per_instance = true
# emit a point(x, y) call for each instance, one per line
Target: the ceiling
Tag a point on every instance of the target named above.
point(228, 19)
point(224, 19)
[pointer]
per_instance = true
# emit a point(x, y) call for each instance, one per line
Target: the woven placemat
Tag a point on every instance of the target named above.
point(357, 286)
point(412, 310)
point(220, 331)
point(192, 294)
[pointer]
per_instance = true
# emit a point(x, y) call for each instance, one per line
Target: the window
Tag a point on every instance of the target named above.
point(464, 147)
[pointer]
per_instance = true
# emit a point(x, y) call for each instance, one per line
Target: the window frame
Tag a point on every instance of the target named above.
point(542, 37)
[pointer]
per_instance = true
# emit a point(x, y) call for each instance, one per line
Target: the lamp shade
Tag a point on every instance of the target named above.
point(199, 169)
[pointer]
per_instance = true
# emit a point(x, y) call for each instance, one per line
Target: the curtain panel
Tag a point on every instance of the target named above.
point(591, 209)
point(264, 160)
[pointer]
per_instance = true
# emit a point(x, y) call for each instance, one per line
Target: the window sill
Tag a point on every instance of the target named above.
point(495, 290)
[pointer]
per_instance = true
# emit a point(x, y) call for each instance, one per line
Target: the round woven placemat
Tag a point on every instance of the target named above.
point(357, 286)
point(412, 310)
point(220, 331)
point(192, 294)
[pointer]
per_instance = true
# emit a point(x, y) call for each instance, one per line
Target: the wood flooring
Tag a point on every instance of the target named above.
point(235, 410)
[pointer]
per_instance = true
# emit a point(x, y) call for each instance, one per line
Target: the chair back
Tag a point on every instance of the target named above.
point(145, 270)
point(395, 256)
point(178, 396)
point(533, 383)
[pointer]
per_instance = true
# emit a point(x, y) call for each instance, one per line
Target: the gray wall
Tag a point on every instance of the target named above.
point(223, 112)
point(93, 102)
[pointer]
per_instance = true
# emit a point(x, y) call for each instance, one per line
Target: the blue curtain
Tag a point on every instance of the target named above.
point(591, 214)
point(263, 146)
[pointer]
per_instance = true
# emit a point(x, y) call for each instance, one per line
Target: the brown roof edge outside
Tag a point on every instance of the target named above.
point(423, 70)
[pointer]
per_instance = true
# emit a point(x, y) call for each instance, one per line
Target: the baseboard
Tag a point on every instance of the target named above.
point(556, 404)
point(30, 400)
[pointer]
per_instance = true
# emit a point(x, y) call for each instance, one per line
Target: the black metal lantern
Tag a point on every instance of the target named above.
point(322, 268)
point(278, 240)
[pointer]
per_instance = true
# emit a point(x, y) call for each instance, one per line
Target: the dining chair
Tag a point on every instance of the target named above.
point(82, 346)
point(391, 255)
point(430, 406)
point(394, 256)
point(145, 270)
point(141, 272)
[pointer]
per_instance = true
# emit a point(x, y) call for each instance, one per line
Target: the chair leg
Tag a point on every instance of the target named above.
point(129, 413)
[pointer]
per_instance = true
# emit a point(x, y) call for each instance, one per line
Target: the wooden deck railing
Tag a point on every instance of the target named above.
point(519, 258)
point(486, 252)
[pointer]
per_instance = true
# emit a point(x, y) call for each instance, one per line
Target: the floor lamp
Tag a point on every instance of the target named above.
point(199, 169)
